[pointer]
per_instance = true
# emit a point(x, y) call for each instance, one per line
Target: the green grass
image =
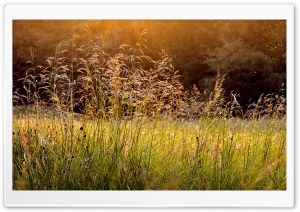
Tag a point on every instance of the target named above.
point(138, 128)
point(146, 153)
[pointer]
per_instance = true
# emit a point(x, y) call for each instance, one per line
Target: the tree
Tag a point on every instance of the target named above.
point(248, 71)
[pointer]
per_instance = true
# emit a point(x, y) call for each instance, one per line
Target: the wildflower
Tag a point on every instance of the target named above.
point(84, 135)
point(13, 133)
point(81, 128)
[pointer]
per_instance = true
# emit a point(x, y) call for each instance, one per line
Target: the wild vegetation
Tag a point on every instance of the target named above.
point(91, 120)
point(252, 53)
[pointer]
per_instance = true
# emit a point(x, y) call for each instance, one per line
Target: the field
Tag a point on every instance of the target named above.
point(57, 151)
point(90, 120)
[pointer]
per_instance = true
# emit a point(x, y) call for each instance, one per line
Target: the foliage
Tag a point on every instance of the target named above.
point(243, 64)
point(188, 43)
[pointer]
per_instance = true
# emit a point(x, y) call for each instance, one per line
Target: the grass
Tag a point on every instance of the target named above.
point(137, 128)
point(143, 153)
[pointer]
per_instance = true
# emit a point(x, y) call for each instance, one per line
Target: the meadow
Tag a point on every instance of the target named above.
point(141, 154)
point(92, 121)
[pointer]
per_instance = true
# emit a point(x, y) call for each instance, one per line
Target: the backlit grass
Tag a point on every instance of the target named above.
point(144, 153)
point(138, 129)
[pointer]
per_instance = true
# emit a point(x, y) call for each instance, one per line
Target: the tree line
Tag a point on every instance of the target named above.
point(250, 53)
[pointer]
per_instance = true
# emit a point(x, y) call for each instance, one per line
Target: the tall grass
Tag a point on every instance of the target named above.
point(149, 154)
point(137, 128)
